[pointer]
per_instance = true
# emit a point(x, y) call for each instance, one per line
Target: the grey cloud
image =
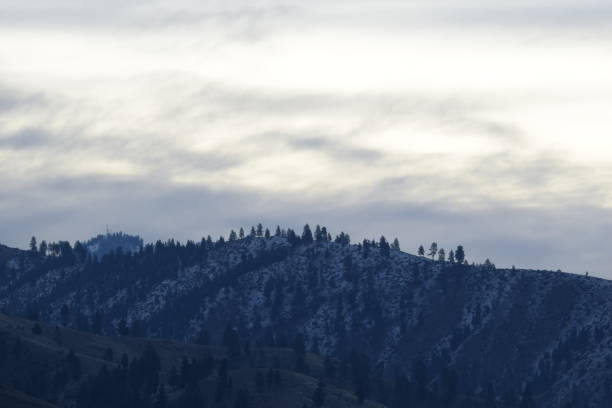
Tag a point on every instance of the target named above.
point(488, 179)
point(372, 111)
point(336, 146)
point(243, 20)
point(560, 16)
point(25, 139)
point(568, 15)
point(12, 99)
point(340, 150)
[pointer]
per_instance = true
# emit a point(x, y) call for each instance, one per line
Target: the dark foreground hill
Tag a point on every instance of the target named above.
point(11, 398)
point(416, 331)
point(72, 368)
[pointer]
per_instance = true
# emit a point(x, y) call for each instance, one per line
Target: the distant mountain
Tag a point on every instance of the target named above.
point(103, 244)
point(511, 337)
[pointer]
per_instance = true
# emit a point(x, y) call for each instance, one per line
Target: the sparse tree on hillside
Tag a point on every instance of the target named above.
point(451, 256)
point(441, 255)
point(33, 246)
point(460, 254)
point(421, 251)
point(259, 230)
point(384, 247)
point(43, 248)
point(253, 233)
point(395, 245)
point(241, 233)
point(433, 250)
point(267, 234)
point(278, 231)
point(80, 251)
point(307, 234)
point(233, 236)
point(325, 235)
point(318, 236)
point(343, 239)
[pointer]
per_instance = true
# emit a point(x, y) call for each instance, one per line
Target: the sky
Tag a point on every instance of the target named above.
point(473, 122)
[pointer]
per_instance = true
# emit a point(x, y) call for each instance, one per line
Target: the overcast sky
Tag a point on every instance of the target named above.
point(482, 123)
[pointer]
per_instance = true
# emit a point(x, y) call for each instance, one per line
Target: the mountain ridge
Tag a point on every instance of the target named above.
point(511, 329)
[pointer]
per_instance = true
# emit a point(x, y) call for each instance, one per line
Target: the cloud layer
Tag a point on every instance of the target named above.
point(486, 125)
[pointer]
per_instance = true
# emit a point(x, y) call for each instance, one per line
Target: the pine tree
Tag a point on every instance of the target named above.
point(318, 235)
point(441, 255)
point(433, 250)
point(421, 251)
point(307, 234)
point(232, 236)
point(241, 233)
point(43, 248)
point(33, 246)
point(384, 247)
point(451, 256)
point(267, 234)
point(460, 254)
point(395, 245)
point(278, 231)
point(259, 230)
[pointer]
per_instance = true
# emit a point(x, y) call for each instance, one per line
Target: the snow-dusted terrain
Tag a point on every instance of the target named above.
point(507, 328)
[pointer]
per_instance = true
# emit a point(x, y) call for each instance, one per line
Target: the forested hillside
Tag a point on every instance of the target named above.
point(411, 329)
